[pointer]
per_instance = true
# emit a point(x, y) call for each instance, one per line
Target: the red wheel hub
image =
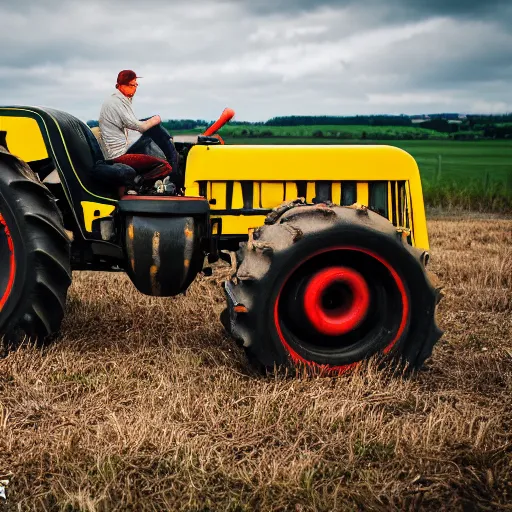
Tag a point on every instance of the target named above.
point(336, 300)
point(4, 295)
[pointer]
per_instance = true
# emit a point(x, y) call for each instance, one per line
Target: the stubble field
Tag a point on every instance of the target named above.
point(144, 404)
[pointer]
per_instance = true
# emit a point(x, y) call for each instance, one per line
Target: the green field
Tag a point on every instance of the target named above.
point(332, 131)
point(244, 131)
point(459, 160)
point(472, 175)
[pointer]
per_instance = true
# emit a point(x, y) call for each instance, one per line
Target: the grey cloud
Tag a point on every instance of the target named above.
point(392, 12)
point(412, 9)
point(263, 58)
point(471, 55)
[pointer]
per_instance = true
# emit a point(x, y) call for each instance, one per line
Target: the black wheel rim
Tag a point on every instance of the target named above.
point(384, 322)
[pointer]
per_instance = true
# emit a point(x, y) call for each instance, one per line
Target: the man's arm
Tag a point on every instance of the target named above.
point(152, 121)
point(129, 120)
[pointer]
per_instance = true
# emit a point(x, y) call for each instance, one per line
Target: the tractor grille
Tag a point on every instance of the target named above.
point(391, 199)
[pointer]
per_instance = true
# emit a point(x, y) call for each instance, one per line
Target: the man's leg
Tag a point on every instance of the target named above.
point(162, 139)
point(148, 166)
point(159, 136)
point(145, 145)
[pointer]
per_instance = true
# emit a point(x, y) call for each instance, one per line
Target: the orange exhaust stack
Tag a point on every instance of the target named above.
point(226, 115)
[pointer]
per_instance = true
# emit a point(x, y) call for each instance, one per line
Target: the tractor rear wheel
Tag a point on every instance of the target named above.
point(35, 270)
point(325, 287)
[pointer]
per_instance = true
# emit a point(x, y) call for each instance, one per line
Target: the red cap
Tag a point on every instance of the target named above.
point(126, 76)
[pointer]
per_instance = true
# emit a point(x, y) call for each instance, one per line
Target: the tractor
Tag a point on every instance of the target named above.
point(328, 244)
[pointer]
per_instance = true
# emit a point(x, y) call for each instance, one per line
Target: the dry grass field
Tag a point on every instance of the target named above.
point(144, 404)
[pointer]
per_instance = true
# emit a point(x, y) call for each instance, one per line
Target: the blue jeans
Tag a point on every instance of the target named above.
point(156, 142)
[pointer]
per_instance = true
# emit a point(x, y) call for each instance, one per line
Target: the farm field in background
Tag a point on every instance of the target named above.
point(469, 175)
point(330, 131)
point(144, 404)
point(459, 160)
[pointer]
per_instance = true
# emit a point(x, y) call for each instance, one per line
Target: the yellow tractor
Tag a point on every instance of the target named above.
point(328, 243)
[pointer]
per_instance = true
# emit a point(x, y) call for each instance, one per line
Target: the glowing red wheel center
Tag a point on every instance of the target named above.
point(336, 300)
point(4, 294)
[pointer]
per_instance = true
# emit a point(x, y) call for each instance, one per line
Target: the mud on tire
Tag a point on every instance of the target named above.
point(326, 287)
point(35, 270)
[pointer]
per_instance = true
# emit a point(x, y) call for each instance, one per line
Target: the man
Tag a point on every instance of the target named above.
point(117, 117)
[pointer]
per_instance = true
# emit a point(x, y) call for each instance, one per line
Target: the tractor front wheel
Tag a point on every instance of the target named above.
point(326, 287)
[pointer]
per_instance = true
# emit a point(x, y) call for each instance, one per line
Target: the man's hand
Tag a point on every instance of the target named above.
point(153, 121)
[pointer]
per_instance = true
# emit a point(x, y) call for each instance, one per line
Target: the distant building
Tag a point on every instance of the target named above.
point(420, 119)
point(449, 117)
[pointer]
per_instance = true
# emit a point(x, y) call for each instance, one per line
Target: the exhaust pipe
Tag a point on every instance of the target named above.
point(226, 116)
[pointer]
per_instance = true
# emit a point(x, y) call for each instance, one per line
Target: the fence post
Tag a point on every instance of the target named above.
point(487, 182)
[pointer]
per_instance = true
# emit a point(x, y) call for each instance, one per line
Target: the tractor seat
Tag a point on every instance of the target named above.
point(79, 153)
point(95, 130)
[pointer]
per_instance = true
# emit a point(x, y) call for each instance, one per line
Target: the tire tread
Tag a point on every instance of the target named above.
point(41, 304)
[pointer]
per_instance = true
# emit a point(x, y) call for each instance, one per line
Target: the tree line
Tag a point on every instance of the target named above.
point(377, 120)
point(457, 127)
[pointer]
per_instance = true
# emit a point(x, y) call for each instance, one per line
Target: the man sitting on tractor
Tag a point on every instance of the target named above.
point(117, 117)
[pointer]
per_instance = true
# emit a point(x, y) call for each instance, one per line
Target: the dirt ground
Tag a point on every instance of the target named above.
point(144, 404)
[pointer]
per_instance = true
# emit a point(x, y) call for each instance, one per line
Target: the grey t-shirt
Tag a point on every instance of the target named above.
point(116, 118)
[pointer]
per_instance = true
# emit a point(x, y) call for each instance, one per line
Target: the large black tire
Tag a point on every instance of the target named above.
point(35, 268)
point(325, 287)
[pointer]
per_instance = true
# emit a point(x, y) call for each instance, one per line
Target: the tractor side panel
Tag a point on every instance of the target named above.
point(243, 183)
point(23, 138)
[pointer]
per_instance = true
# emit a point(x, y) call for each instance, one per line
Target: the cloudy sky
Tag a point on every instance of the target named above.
point(263, 58)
